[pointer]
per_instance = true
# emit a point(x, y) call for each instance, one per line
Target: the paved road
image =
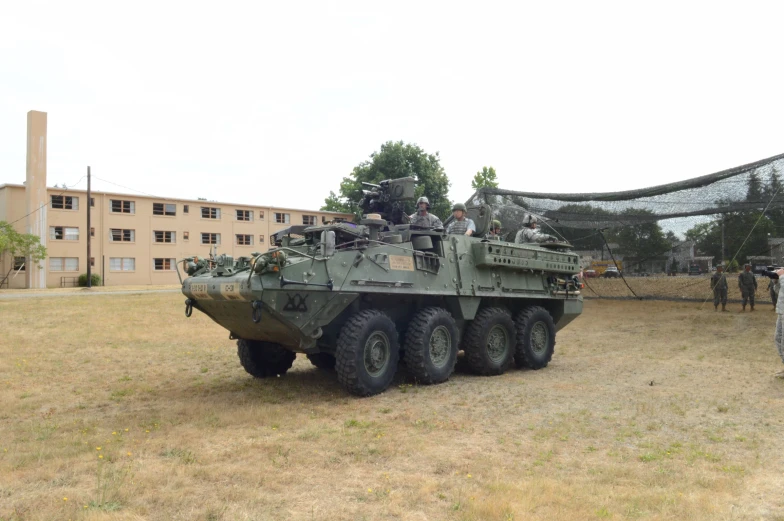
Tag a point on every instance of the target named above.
point(85, 293)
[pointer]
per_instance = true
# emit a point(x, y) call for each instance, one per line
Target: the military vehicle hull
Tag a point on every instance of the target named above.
point(506, 300)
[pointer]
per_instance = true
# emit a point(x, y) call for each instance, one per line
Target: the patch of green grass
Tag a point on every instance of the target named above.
point(185, 456)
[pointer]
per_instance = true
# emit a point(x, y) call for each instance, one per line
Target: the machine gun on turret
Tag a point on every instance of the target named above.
point(388, 198)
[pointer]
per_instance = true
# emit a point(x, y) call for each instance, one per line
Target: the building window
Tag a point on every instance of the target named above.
point(92, 232)
point(65, 202)
point(210, 238)
point(63, 233)
point(163, 264)
point(186, 236)
point(185, 208)
point(165, 237)
point(261, 215)
point(92, 201)
point(309, 220)
point(119, 235)
point(164, 209)
point(19, 263)
point(63, 264)
point(119, 206)
point(244, 215)
point(210, 213)
point(244, 240)
point(122, 264)
point(261, 239)
point(282, 218)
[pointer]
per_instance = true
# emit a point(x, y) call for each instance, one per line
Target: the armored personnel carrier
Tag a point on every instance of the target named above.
point(361, 298)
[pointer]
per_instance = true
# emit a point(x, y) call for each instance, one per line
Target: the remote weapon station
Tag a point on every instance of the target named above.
point(360, 299)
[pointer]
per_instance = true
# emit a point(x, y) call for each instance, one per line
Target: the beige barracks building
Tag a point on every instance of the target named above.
point(134, 239)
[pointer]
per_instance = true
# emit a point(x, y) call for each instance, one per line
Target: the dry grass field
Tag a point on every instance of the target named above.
point(118, 407)
point(696, 287)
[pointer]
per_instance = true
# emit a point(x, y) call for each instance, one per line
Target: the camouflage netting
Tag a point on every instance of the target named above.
point(666, 240)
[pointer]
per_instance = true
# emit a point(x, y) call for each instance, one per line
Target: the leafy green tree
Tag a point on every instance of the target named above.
point(333, 203)
point(641, 240)
point(394, 160)
point(583, 238)
point(486, 178)
point(754, 191)
point(20, 244)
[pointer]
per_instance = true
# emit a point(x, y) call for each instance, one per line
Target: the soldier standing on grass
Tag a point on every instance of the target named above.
point(719, 286)
point(747, 283)
point(773, 288)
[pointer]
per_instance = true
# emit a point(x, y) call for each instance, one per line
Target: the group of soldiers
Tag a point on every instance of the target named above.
point(462, 225)
point(747, 283)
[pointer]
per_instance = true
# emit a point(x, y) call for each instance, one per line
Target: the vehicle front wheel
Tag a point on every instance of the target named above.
point(430, 351)
point(367, 353)
point(535, 338)
point(264, 359)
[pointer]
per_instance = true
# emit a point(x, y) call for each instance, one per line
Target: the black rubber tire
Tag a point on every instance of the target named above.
point(525, 354)
point(351, 366)
point(417, 353)
point(475, 345)
point(322, 360)
point(264, 359)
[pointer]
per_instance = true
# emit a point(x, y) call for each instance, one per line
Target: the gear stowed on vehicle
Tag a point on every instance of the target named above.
point(363, 299)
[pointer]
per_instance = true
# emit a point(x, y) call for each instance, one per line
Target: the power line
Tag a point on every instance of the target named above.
point(47, 203)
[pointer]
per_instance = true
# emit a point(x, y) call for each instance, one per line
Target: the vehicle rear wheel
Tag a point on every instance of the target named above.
point(264, 359)
point(430, 351)
point(489, 342)
point(535, 338)
point(322, 360)
point(367, 353)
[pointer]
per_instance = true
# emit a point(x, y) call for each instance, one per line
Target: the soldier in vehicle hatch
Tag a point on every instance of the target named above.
point(719, 286)
point(747, 283)
point(530, 233)
point(423, 218)
point(460, 225)
point(495, 231)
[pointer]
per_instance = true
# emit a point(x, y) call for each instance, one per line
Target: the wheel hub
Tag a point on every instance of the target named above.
point(377, 352)
point(497, 343)
point(540, 337)
point(440, 346)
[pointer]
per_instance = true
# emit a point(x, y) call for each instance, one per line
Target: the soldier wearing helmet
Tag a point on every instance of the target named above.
point(422, 217)
point(495, 230)
point(530, 232)
point(460, 225)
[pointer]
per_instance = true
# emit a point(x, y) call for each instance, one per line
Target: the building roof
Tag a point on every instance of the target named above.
point(172, 199)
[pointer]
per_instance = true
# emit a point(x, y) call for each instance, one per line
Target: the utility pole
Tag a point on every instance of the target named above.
point(89, 235)
point(721, 261)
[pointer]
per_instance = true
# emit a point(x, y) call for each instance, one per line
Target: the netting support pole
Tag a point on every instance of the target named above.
point(616, 264)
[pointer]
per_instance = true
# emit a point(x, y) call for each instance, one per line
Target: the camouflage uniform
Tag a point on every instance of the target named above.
point(530, 235)
point(719, 286)
point(461, 227)
point(747, 283)
point(773, 288)
point(426, 221)
point(779, 337)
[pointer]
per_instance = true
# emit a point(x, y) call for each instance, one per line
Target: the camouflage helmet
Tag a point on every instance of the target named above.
point(529, 219)
point(496, 224)
point(423, 199)
point(459, 206)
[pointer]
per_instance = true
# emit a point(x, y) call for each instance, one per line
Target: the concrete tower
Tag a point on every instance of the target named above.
point(35, 193)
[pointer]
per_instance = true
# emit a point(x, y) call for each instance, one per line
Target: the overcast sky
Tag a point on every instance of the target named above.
point(274, 103)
